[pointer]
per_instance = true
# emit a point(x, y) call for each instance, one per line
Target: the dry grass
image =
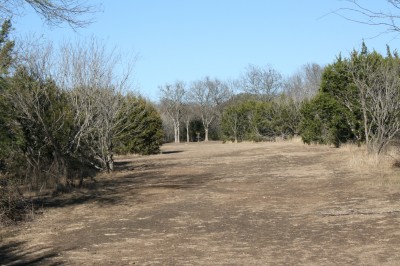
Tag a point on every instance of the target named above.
point(361, 160)
point(383, 166)
point(295, 139)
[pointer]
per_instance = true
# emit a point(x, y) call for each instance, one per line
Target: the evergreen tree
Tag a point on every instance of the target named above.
point(337, 82)
point(235, 123)
point(323, 121)
point(41, 113)
point(8, 130)
point(141, 131)
point(6, 48)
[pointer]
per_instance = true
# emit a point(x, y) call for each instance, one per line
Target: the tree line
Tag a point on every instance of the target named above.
point(354, 99)
point(258, 106)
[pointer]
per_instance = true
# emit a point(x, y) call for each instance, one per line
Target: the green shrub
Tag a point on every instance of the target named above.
point(141, 131)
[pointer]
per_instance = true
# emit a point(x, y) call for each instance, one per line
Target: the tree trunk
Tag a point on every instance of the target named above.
point(187, 132)
point(366, 131)
point(110, 163)
point(110, 156)
point(177, 131)
point(206, 134)
point(178, 135)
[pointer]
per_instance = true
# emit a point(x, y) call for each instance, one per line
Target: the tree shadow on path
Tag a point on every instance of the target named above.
point(14, 253)
point(128, 180)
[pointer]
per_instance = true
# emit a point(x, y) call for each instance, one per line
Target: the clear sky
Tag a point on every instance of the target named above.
point(190, 39)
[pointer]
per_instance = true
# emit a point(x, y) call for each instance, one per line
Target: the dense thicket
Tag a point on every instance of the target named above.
point(358, 101)
point(62, 120)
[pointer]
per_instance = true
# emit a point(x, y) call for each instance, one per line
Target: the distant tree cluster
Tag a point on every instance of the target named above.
point(265, 105)
point(201, 103)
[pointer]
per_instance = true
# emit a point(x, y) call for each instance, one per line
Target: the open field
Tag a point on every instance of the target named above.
point(245, 204)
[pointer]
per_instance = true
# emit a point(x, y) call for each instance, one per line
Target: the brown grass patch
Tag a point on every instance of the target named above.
point(277, 203)
point(384, 167)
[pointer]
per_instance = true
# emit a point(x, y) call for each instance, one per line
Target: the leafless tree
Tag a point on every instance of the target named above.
point(90, 74)
point(208, 96)
point(379, 94)
point(386, 17)
point(313, 75)
point(305, 83)
point(172, 101)
point(76, 13)
point(168, 127)
point(262, 82)
point(188, 113)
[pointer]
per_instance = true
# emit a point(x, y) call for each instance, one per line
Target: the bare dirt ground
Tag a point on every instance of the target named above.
point(218, 204)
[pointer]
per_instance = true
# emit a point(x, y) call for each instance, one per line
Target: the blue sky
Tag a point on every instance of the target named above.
point(188, 40)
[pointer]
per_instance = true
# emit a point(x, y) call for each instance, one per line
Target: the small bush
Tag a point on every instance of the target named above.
point(13, 206)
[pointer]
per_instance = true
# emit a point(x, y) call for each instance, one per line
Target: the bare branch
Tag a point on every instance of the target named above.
point(208, 95)
point(76, 13)
point(363, 15)
point(262, 82)
point(305, 83)
point(378, 88)
point(172, 101)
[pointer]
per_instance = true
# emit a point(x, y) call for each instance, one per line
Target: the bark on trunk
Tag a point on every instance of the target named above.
point(177, 132)
point(206, 134)
point(187, 133)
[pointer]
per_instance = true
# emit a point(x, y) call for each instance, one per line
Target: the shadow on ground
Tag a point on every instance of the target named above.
point(128, 179)
point(13, 254)
point(171, 152)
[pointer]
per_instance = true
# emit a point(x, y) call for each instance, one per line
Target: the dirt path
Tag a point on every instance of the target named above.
point(219, 204)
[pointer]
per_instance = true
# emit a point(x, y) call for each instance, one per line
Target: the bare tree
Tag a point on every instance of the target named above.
point(172, 100)
point(167, 125)
point(313, 75)
point(386, 17)
point(54, 12)
point(378, 86)
point(89, 74)
point(187, 116)
point(299, 87)
point(305, 83)
point(208, 96)
point(262, 82)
